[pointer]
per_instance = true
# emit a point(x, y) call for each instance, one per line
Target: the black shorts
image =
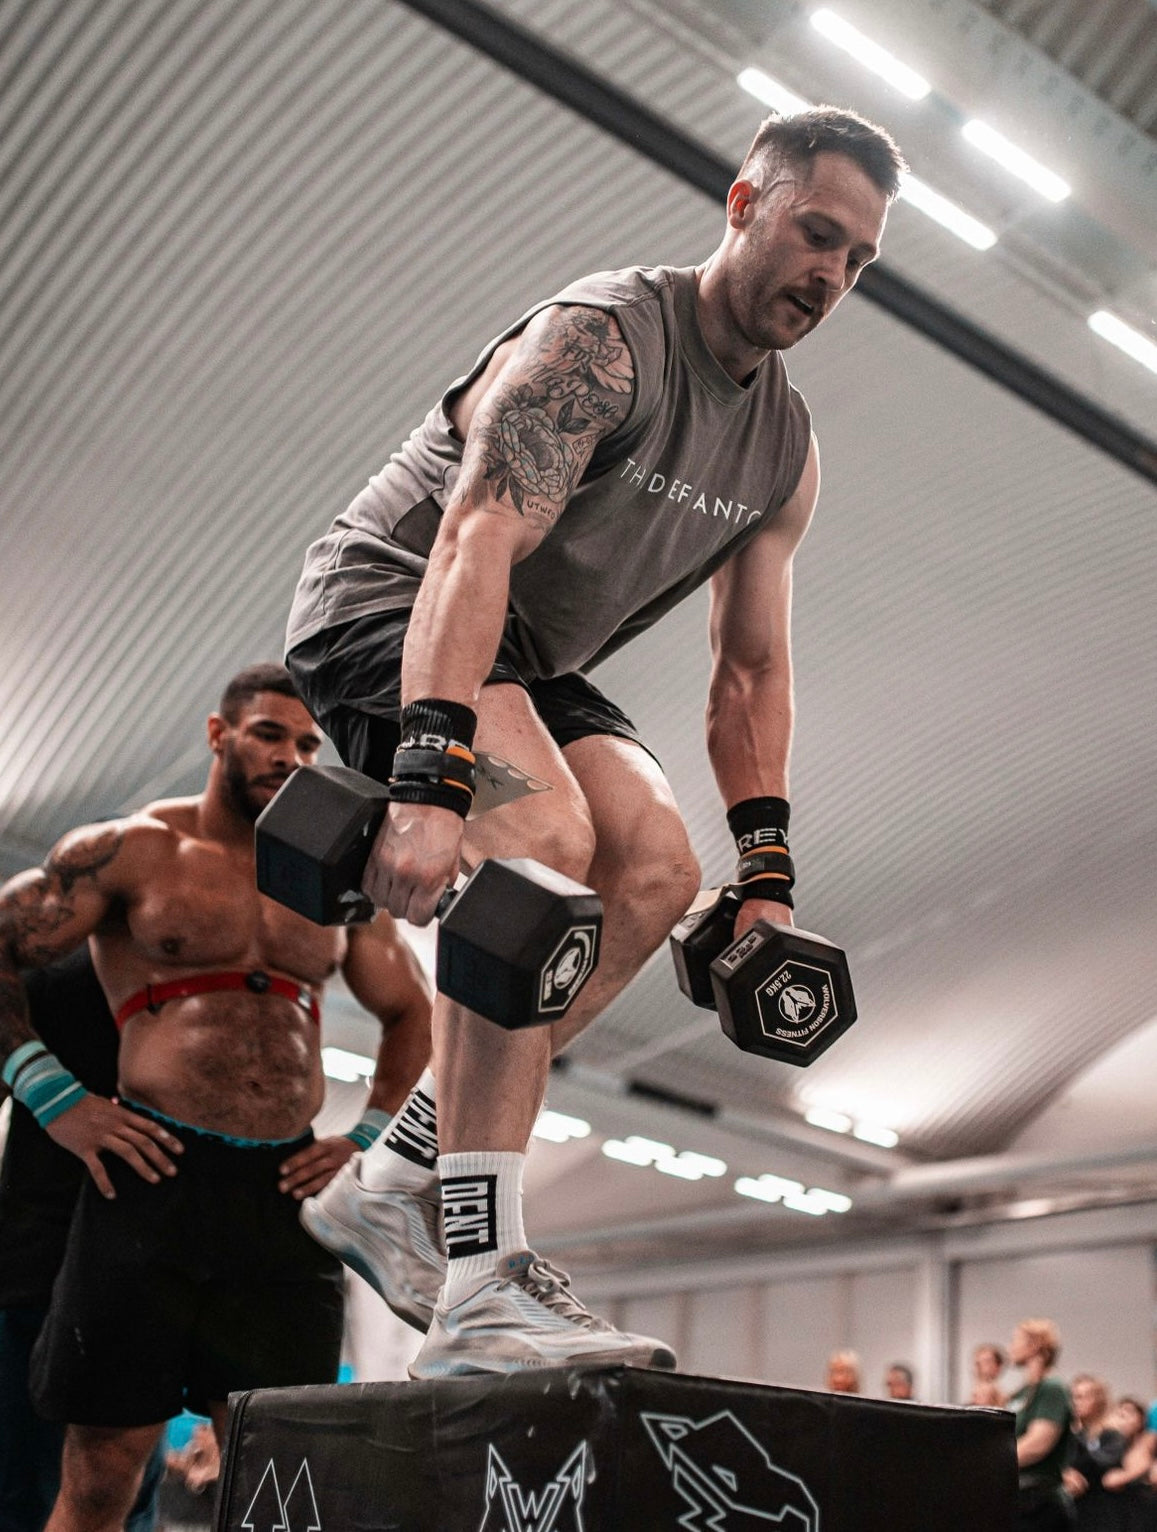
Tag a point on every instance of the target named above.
point(183, 1292)
point(350, 678)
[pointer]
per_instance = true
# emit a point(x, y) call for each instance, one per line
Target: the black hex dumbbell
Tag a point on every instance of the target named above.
point(516, 943)
point(782, 993)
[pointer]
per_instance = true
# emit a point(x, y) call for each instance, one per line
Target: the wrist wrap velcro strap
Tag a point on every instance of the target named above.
point(758, 823)
point(40, 1082)
point(434, 763)
point(765, 875)
point(373, 1123)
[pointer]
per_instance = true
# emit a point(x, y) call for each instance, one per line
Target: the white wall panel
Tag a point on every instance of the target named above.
point(883, 1323)
point(725, 1334)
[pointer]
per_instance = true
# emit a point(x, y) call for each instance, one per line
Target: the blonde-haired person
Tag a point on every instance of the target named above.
point(844, 1373)
point(1043, 1416)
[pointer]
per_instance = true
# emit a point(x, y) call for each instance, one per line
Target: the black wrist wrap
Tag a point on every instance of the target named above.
point(434, 763)
point(434, 722)
point(758, 823)
point(765, 869)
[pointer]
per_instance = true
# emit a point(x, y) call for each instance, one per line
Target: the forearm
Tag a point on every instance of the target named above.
point(1037, 1442)
point(458, 618)
point(749, 731)
point(403, 1053)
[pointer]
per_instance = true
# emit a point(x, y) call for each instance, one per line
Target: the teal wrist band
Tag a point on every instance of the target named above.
point(373, 1123)
point(39, 1081)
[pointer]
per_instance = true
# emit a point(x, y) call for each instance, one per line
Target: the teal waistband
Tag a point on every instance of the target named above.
point(211, 1133)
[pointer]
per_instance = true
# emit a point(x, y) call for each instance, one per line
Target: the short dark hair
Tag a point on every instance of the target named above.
point(246, 684)
point(904, 1370)
point(796, 140)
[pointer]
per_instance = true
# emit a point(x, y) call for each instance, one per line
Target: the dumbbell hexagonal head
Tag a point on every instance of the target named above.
point(783, 993)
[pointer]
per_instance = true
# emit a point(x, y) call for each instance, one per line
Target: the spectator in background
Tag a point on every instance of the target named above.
point(1043, 1417)
point(844, 1372)
point(1131, 1481)
point(988, 1362)
point(898, 1383)
point(1097, 1451)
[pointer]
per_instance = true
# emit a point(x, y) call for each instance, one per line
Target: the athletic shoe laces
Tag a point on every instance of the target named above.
point(551, 1288)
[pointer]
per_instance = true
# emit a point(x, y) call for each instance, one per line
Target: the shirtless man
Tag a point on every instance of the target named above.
point(623, 443)
point(188, 1274)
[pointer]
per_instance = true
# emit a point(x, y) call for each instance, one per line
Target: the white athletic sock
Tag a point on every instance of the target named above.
point(482, 1212)
point(405, 1156)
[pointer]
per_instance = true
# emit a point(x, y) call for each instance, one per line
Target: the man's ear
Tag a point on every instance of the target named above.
point(215, 731)
point(740, 197)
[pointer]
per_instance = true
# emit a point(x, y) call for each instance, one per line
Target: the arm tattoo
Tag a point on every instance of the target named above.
point(36, 907)
point(536, 435)
point(36, 910)
point(86, 860)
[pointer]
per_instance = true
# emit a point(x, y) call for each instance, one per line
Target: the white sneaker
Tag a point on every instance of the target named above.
point(391, 1238)
point(526, 1316)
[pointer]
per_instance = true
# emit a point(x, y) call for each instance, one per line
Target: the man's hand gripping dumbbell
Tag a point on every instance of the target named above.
point(516, 943)
point(780, 992)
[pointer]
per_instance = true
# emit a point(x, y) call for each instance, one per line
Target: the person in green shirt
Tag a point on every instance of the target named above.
point(1044, 1415)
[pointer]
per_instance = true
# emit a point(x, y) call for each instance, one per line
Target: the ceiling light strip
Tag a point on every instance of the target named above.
point(1014, 159)
point(870, 54)
point(1124, 337)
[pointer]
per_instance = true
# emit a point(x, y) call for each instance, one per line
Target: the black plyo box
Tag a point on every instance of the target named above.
point(609, 1450)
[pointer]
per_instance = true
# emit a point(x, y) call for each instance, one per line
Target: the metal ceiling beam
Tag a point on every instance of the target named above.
point(563, 77)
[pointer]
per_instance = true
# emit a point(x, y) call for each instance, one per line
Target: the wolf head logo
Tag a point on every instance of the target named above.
point(727, 1479)
point(556, 1507)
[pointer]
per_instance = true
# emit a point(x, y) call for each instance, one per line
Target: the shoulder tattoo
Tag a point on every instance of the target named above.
point(68, 866)
point(36, 906)
point(536, 433)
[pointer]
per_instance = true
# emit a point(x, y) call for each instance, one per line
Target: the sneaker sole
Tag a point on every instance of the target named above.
point(341, 1241)
point(462, 1367)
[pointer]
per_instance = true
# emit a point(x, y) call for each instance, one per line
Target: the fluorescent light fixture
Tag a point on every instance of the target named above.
point(690, 1166)
point(340, 1064)
point(834, 1202)
point(870, 54)
point(768, 1188)
point(558, 1128)
point(946, 213)
point(834, 1122)
point(872, 1133)
point(636, 1150)
point(1016, 161)
point(815, 1200)
point(1131, 341)
point(804, 1202)
point(771, 92)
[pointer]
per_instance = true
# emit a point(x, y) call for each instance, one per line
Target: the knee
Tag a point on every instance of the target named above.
point(566, 843)
point(656, 875)
point(94, 1501)
point(99, 1477)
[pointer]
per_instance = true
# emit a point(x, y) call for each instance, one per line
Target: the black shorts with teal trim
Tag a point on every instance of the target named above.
point(183, 1292)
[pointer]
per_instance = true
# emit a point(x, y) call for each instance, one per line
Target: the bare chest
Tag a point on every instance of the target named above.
point(202, 910)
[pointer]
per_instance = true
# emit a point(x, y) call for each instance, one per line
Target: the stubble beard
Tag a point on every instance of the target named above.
point(238, 794)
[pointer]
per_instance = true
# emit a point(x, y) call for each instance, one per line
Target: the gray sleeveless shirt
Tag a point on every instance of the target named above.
point(700, 464)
